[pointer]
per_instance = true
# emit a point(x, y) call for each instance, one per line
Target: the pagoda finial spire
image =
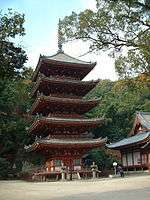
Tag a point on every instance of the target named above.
point(60, 40)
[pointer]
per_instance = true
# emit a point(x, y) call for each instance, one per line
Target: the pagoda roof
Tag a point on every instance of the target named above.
point(67, 143)
point(131, 141)
point(61, 58)
point(49, 122)
point(86, 86)
point(49, 103)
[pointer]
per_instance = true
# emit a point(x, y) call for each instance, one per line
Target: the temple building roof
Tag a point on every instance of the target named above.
point(141, 123)
point(48, 104)
point(144, 119)
point(67, 143)
point(62, 59)
point(55, 85)
point(133, 140)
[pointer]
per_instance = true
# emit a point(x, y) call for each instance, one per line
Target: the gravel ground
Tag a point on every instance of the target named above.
point(132, 188)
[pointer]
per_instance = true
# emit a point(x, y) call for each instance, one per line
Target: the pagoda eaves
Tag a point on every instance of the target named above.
point(51, 122)
point(67, 143)
point(45, 105)
point(54, 86)
point(77, 69)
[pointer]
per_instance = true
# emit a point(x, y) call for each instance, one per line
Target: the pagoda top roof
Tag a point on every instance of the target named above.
point(69, 143)
point(61, 58)
point(133, 140)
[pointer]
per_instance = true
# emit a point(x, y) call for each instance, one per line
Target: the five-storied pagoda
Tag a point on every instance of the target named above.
point(62, 132)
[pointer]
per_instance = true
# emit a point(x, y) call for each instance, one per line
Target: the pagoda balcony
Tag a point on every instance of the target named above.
point(63, 65)
point(70, 136)
point(52, 86)
point(63, 107)
point(60, 135)
point(62, 77)
point(68, 125)
point(65, 115)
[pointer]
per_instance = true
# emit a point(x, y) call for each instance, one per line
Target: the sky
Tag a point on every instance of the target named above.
point(41, 25)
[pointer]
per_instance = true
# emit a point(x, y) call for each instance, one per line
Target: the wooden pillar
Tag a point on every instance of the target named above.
point(121, 158)
point(147, 160)
point(133, 160)
point(81, 163)
point(141, 159)
point(71, 165)
point(126, 159)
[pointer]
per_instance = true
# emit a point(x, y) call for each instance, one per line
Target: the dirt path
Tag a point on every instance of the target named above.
point(132, 188)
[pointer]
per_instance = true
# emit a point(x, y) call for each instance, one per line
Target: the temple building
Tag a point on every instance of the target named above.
point(62, 133)
point(135, 150)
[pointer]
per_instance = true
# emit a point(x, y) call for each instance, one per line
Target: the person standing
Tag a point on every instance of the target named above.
point(120, 171)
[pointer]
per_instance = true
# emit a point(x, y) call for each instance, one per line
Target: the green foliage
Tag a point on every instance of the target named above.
point(14, 103)
point(14, 89)
point(11, 24)
point(12, 58)
point(14, 96)
point(101, 159)
point(116, 27)
point(119, 103)
point(4, 168)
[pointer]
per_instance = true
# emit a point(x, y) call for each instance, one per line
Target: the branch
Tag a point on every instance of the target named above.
point(146, 6)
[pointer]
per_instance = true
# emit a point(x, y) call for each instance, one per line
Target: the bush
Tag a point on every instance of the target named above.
point(4, 168)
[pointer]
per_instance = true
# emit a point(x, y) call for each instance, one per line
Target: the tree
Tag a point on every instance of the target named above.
point(14, 103)
point(14, 89)
point(12, 58)
point(101, 159)
point(116, 27)
point(120, 100)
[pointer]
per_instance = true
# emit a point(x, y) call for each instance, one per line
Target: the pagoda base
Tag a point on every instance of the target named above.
point(44, 176)
point(69, 164)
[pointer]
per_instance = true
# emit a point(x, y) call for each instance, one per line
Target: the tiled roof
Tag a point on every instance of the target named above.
point(50, 119)
point(50, 101)
point(63, 57)
point(69, 142)
point(55, 99)
point(65, 122)
point(129, 141)
point(144, 119)
point(53, 81)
